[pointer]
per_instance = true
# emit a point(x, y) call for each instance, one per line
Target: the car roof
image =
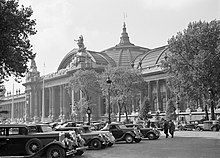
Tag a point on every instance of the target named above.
point(13, 125)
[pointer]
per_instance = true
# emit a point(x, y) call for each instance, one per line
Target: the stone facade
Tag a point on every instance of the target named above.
point(47, 97)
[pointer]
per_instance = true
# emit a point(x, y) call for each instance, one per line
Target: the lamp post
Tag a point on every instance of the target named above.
point(211, 95)
point(108, 81)
point(89, 111)
point(178, 112)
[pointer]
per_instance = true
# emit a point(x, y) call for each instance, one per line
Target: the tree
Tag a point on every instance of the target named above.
point(144, 111)
point(16, 26)
point(126, 83)
point(194, 61)
point(85, 81)
point(170, 112)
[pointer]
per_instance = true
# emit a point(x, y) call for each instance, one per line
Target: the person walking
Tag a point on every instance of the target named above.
point(166, 128)
point(171, 128)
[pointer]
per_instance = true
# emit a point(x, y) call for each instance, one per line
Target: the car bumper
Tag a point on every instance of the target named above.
point(73, 151)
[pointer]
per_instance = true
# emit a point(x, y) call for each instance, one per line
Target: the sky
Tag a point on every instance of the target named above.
point(150, 23)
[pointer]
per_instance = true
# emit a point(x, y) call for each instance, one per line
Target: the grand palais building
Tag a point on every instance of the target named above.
point(46, 97)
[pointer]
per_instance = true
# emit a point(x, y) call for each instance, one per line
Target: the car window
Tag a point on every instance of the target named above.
point(32, 129)
point(112, 127)
point(2, 131)
point(14, 131)
point(122, 126)
point(46, 128)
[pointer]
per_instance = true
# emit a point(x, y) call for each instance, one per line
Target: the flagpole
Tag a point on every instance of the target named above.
point(43, 106)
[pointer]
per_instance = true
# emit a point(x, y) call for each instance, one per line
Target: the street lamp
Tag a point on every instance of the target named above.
point(178, 111)
point(89, 111)
point(108, 81)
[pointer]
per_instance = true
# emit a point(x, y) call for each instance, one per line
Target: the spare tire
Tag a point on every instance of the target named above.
point(32, 146)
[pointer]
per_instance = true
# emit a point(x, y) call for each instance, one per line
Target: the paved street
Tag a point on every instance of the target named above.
point(186, 144)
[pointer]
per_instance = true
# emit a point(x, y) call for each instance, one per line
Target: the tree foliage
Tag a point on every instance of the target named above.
point(194, 60)
point(16, 26)
point(171, 110)
point(144, 111)
point(126, 83)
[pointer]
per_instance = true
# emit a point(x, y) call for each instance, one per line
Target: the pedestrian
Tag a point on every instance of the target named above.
point(171, 128)
point(166, 128)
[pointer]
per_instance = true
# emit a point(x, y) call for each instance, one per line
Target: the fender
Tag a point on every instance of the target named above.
point(123, 136)
point(41, 153)
point(96, 137)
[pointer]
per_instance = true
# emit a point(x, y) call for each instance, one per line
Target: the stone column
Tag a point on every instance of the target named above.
point(149, 93)
point(31, 105)
point(158, 95)
point(64, 102)
point(53, 102)
point(50, 102)
point(61, 100)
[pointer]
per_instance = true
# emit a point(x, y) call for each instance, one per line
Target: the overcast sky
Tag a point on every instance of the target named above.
point(150, 23)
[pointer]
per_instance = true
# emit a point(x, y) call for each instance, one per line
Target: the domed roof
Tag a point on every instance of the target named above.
point(151, 61)
point(96, 57)
point(125, 53)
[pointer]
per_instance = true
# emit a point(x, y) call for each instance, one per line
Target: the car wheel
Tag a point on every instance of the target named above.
point(55, 151)
point(129, 138)
point(32, 146)
point(151, 136)
point(198, 128)
point(96, 144)
point(214, 129)
point(79, 152)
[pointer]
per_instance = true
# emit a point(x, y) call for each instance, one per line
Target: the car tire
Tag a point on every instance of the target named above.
point(32, 146)
point(198, 129)
point(214, 129)
point(129, 138)
point(151, 136)
point(96, 144)
point(55, 151)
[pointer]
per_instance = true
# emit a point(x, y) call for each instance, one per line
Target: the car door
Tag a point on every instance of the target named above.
point(3, 141)
point(116, 131)
point(15, 141)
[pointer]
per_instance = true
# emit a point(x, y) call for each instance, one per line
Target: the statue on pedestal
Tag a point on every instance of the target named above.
point(80, 44)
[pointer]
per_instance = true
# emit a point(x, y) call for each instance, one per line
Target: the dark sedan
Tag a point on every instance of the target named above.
point(150, 133)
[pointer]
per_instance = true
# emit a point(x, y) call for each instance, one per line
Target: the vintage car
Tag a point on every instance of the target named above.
point(15, 140)
point(110, 139)
point(122, 133)
point(42, 128)
point(94, 140)
point(150, 133)
point(212, 125)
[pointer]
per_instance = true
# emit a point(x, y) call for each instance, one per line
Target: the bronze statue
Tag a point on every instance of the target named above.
point(80, 43)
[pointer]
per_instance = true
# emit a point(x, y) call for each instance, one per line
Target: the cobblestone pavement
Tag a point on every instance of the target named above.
point(185, 144)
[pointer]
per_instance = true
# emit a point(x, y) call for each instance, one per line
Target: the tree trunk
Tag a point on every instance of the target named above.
point(126, 113)
point(205, 108)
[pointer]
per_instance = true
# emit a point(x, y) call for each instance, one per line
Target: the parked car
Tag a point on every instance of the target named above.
point(42, 128)
point(192, 125)
point(150, 133)
point(212, 125)
point(122, 133)
point(94, 140)
point(15, 140)
point(110, 139)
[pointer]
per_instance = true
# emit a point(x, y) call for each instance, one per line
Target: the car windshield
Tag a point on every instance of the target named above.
point(46, 128)
point(122, 126)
